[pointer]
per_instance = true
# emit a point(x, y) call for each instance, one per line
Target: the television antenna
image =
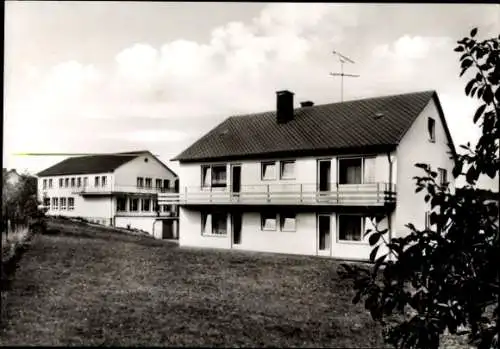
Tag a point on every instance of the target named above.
point(343, 59)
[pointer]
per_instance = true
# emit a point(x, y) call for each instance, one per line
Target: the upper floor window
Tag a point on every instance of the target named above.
point(287, 169)
point(50, 182)
point(73, 182)
point(140, 182)
point(61, 182)
point(148, 182)
point(66, 182)
point(44, 184)
point(213, 175)
point(96, 181)
point(158, 183)
point(79, 182)
point(268, 170)
point(103, 181)
point(431, 128)
point(443, 176)
point(350, 171)
point(85, 181)
point(166, 183)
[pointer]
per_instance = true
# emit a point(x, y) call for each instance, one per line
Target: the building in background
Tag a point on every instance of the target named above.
point(307, 180)
point(118, 189)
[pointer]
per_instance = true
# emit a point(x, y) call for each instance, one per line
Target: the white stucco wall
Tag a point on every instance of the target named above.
point(415, 147)
point(126, 175)
point(142, 223)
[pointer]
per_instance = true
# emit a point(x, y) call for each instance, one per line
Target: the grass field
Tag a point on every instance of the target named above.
point(112, 289)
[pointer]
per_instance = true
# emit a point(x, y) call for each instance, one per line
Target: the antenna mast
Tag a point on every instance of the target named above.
point(343, 59)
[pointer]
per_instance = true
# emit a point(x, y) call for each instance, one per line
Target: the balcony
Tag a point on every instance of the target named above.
point(373, 194)
point(118, 189)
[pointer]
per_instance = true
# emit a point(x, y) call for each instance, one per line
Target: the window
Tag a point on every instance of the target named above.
point(166, 183)
point(443, 177)
point(287, 221)
point(427, 220)
point(431, 127)
point(369, 170)
point(71, 204)
point(44, 184)
point(146, 205)
point(350, 171)
point(46, 202)
point(287, 169)
point(72, 182)
point(350, 227)
point(214, 224)
point(156, 207)
point(140, 182)
point(121, 204)
point(219, 176)
point(66, 182)
point(63, 203)
point(61, 183)
point(55, 203)
point(96, 181)
point(50, 183)
point(268, 170)
point(79, 182)
point(148, 182)
point(166, 208)
point(268, 220)
point(85, 181)
point(205, 176)
point(103, 181)
point(134, 205)
point(158, 183)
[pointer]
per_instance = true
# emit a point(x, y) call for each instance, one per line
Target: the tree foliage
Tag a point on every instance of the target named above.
point(446, 277)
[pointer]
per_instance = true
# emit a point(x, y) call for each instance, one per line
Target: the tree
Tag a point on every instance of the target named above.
point(447, 276)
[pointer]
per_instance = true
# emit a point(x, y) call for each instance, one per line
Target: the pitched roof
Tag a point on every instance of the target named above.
point(88, 164)
point(328, 127)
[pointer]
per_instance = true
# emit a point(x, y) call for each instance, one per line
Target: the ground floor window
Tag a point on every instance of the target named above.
point(350, 227)
point(287, 221)
point(134, 205)
point(71, 203)
point(214, 223)
point(63, 203)
point(55, 203)
point(146, 205)
point(46, 202)
point(121, 204)
point(268, 220)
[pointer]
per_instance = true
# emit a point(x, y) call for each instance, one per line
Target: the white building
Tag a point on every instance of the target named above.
point(306, 180)
point(118, 189)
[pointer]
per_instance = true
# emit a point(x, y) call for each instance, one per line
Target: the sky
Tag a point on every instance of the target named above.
point(87, 77)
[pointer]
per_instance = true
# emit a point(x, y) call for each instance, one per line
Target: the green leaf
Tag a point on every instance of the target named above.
point(473, 32)
point(479, 112)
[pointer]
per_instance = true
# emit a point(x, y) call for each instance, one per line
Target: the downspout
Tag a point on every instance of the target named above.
point(389, 220)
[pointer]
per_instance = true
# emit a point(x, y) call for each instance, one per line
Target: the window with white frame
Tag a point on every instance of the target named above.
point(121, 204)
point(206, 178)
point(50, 182)
point(148, 182)
point(350, 227)
point(167, 208)
point(103, 181)
point(158, 183)
point(140, 182)
point(268, 220)
point(268, 170)
point(71, 204)
point(63, 203)
point(287, 221)
point(85, 181)
point(96, 181)
point(44, 184)
point(287, 169)
point(55, 202)
point(166, 183)
point(214, 223)
point(443, 176)
point(46, 202)
point(79, 182)
point(134, 205)
point(73, 182)
point(66, 182)
point(350, 171)
point(369, 170)
point(213, 176)
point(146, 205)
point(61, 182)
point(431, 128)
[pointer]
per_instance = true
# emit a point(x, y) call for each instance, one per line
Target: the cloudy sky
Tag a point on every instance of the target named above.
point(86, 77)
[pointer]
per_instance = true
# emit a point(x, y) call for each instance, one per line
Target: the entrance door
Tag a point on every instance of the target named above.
point(235, 181)
point(168, 229)
point(324, 235)
point(324, 176)
point(236, 222)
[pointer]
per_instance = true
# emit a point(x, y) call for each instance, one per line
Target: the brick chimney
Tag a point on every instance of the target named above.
point(306, 104)
point(284, 106)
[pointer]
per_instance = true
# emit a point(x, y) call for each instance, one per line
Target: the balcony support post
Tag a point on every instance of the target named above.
point(268, 194)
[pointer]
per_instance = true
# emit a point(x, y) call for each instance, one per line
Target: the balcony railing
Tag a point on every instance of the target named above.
point(372, 194)
point(117, 189)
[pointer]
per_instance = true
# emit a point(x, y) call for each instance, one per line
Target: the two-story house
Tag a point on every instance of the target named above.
point(118, 189)
point(308, 180)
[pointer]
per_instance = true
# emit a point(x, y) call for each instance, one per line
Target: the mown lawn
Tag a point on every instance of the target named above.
point(136, 291)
